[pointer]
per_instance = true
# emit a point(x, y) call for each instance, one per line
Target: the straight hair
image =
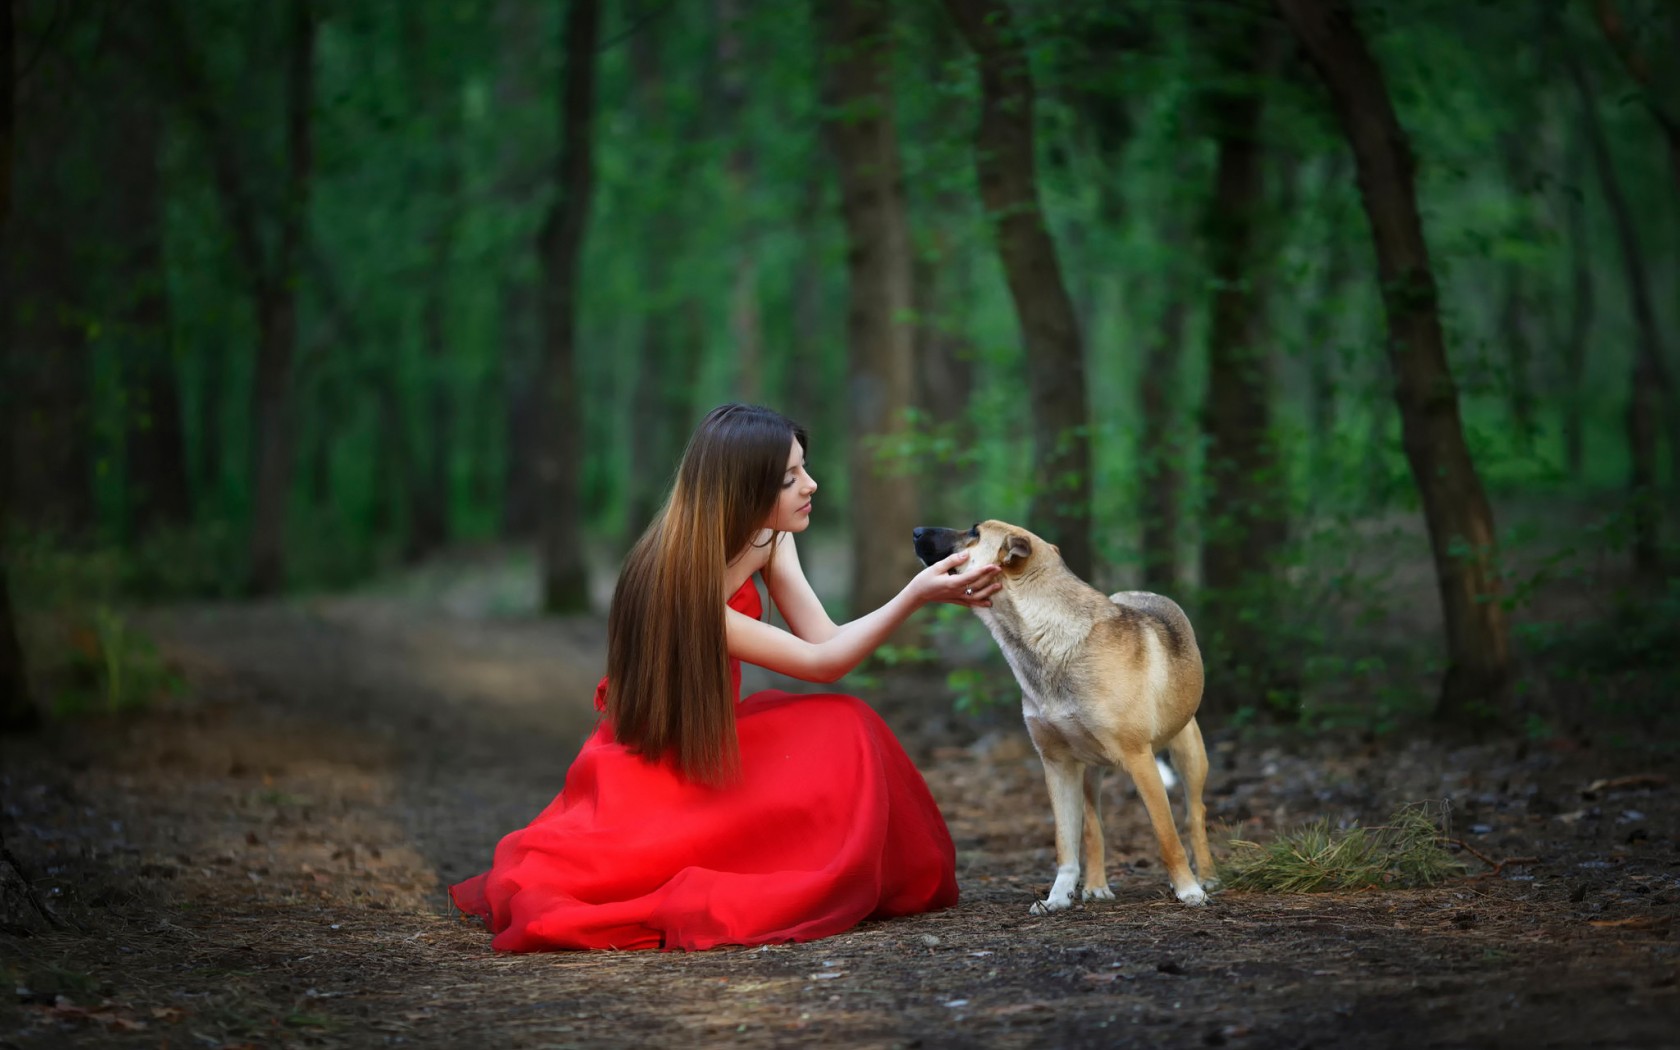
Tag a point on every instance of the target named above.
point(670, 696)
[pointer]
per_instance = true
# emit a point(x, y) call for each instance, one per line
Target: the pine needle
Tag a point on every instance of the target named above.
point(1408, 851)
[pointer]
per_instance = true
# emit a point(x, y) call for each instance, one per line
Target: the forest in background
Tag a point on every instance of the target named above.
point(1272, 307)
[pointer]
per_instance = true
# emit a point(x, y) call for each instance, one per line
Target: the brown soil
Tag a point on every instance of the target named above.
point(263, 863)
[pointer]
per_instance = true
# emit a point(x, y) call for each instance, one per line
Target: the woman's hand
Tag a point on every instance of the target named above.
point(971, 587)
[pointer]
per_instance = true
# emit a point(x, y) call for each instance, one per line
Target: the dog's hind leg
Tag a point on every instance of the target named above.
point(1140, 763)
point(1064, 777)
point(1189, 755)
point(1096, 856)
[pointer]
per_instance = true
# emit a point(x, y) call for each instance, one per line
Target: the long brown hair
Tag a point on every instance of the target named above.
point(669, 694)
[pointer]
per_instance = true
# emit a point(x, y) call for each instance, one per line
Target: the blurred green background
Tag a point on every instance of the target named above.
point(343, 215)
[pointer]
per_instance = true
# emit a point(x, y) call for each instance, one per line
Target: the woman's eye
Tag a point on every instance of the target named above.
point(788, 483)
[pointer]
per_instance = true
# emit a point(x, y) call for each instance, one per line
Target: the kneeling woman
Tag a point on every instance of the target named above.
point(693, 818)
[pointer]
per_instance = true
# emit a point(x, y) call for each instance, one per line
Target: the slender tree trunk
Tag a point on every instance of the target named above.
point(52, 480)
point(1580, 320)
point(438, 96)
point(808, 393)
point(277, 317)
point(17, 711)
point(661, 411)
point(746, 325)
point(1477, 684)
point(156, 442)
point(1004, 150)
point(1246, 523)
point(880, 335)
point(1162, 466)
point(514, 89)
point(1649, 371)
point(560, 450)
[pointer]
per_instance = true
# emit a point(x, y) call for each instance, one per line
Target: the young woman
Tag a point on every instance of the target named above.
point(691, 818)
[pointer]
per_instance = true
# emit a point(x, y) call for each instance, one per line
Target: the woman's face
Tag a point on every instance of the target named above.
point(792, 512)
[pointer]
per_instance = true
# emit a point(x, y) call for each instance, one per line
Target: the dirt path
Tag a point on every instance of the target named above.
point(264, 865)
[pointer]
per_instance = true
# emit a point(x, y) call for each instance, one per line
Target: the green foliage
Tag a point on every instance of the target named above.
point(1404, 853)
point(112, 668)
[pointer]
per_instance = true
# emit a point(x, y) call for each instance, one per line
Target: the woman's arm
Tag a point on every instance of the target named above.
point(826, 659)
point(793, 595)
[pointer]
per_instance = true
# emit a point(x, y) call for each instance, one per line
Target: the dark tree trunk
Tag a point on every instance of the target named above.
point(1162, 470)
point(1580, 318)
point(809, 391)
point(17, 711)
point(1477, 684)
point(1061, 509)
point(1649, 370)
point(156, 441)
point(1246, 525)
point(52, 429)
point(880, 336)
point(436, 93)
point(560, 449)
point(661, 408)
point(746, 324)
point(277, 317)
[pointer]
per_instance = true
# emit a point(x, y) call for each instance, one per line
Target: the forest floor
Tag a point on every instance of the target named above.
point(263, 862)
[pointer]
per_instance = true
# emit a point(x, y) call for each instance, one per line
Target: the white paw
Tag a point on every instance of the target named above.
point(1193, 894)
point(1045, 907)
point(1098, 893)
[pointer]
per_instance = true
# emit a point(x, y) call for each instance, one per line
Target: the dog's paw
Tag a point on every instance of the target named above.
point(1098, 893)
point(1045, 907)
point(1193, 894)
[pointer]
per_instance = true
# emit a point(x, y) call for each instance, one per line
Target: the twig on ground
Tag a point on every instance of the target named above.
point(1495, 867)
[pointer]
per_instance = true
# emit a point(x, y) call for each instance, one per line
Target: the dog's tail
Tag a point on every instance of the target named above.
point(1168, 777)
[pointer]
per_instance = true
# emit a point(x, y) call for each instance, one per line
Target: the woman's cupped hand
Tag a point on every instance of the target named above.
point(970, 586)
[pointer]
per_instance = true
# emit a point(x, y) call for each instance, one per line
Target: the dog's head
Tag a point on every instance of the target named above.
point(996, 542)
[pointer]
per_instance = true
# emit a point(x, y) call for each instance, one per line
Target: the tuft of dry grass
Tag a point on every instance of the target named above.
point(1408, 851)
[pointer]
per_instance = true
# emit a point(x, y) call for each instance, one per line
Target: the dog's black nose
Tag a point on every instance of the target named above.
point(916, 533)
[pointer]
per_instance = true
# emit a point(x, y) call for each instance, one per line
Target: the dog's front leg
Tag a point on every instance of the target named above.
point(1066, 780)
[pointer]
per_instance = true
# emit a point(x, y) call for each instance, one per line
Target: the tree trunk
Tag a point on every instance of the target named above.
point(1649, 370)
point(746, 325)
point(1161, 468)
point(1246, 523)
point(1580, 319)
point(277, 317)
point(880, 335)
point(159, 496)
point(17, 711)
point(661, 409)
point(437, 95)
point(1061, 508)
point(560, 449)
point(1477, 685)
point(52, 480)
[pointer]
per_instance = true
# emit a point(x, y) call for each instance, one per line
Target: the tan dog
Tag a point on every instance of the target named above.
point(1104, 682)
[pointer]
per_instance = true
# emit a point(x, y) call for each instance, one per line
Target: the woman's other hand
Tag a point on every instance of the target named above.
point(971, 587)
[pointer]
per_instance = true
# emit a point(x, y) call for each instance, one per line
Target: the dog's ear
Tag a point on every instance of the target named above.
point(1016, 548)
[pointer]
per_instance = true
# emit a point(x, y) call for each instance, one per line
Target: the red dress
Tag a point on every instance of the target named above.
point(830, 824)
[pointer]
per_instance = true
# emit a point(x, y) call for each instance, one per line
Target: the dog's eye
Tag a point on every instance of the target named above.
point(974, 530)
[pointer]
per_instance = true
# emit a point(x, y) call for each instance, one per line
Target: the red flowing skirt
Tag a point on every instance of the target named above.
point(829, 825)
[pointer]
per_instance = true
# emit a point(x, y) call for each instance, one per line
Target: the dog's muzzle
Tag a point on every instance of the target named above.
point(934, 544)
